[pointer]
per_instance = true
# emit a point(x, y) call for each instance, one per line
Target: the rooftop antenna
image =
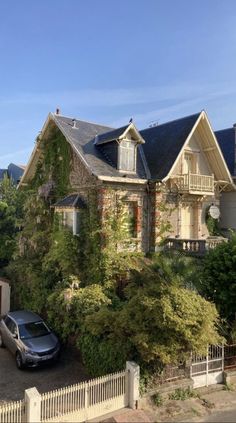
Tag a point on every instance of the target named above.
point(153, 123)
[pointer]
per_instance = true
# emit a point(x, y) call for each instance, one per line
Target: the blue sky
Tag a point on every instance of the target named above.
point(109, 60)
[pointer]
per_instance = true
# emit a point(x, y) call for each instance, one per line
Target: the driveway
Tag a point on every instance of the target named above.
point(13, 382)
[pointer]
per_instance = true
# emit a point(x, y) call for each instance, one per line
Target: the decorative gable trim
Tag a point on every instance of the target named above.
point(133, 128)
point(211, 149)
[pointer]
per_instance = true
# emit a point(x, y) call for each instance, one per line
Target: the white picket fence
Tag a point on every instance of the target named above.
point(77, 403)
point(12, 412)
point(86, 400)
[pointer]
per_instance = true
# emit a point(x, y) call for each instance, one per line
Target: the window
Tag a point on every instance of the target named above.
point(77, 223)
point(127, 156)
point(189, 163)
point(33, 330)
point(68, 219)
point(71, 220)
point(129, 219)
point(11, 325)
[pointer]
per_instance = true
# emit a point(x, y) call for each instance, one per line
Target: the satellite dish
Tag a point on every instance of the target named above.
point(214, 212)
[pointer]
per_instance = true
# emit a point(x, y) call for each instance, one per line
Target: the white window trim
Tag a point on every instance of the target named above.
point(74, 211)
point(75, 217)
point(135, 156)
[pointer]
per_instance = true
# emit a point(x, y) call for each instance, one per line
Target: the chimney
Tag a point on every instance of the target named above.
point(57, 111)
point(234, 149)
point(74, 123)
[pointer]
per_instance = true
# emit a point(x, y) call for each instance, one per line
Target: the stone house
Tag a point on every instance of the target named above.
point(227, 141)
point(166, 176)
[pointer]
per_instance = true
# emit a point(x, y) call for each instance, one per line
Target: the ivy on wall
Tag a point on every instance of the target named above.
point(45, 252)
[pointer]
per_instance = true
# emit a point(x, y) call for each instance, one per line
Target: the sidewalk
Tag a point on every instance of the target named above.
point(209, 400)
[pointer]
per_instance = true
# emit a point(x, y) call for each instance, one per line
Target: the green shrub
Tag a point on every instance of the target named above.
point(182, 394)
point(102, 356)
point(157, 399)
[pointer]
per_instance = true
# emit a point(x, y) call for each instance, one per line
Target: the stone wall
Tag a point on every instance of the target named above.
point(80, 176)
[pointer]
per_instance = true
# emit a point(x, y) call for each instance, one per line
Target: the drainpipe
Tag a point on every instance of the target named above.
point(234, 149)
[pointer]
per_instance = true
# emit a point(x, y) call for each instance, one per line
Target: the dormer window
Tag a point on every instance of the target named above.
point(127, 156)
point(119, 146)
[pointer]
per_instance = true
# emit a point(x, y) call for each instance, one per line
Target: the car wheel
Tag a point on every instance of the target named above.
point(1, 342)
point(19, 362)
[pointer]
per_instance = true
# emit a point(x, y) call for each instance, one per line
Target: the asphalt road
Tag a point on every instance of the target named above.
point(67, 371)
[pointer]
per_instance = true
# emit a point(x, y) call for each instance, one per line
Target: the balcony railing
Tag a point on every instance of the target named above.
point(194, 246)
point(193, 182)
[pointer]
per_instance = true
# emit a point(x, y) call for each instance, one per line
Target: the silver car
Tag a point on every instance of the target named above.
point(28, 337)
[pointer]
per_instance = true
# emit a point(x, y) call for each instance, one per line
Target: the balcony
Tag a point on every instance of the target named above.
point(194, 183)
point(197, 247)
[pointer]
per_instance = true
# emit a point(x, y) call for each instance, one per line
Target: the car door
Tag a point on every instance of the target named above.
point(5, 331)
point(13, 336)
point(9, 329)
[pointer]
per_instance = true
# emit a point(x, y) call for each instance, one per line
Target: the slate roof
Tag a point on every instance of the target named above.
point(97, 158)
point(73, 200)
point(110, 136)
point(164, 142)
point(3, 172)
point(13, 171)
point(226, 140)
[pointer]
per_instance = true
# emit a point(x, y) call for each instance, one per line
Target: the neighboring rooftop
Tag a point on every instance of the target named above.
point(13, 171)
point(226, 140)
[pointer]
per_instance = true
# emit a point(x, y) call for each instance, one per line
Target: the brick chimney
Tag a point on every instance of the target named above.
point(234, 149)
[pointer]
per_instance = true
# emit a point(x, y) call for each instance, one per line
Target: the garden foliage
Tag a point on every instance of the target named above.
point(112, 303)
point(218, 279)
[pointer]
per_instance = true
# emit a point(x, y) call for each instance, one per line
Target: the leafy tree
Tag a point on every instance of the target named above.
point(218, 279)
point(69, 304)
point(162, 321)
point(11, 202)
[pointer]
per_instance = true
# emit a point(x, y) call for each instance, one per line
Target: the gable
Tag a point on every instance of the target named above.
point(125, 132)
point(98, 160)
point(200, 163)
point(202, 142)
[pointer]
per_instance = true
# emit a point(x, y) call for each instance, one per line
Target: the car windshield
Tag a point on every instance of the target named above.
point(33, 330)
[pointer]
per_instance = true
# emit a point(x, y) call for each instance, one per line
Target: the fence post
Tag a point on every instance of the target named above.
point(207, 365)
point(223, 357)
point(133, 372)
point(33, 405)
point(190, 365)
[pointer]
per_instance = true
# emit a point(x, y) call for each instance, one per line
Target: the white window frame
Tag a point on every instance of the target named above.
point(74, 212)
point(121, 149)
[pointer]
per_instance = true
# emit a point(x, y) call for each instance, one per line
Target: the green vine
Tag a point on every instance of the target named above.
point(53, 170)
